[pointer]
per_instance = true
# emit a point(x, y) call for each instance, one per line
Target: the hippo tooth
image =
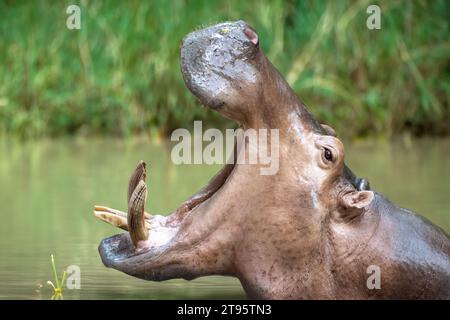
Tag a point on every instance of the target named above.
point(115, 217)
point(136, 217)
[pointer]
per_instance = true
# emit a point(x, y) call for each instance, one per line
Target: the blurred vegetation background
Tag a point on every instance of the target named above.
point(119, 75)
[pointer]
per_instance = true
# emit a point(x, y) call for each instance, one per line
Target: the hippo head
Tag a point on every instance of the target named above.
point(227, 71)
point(270, 231)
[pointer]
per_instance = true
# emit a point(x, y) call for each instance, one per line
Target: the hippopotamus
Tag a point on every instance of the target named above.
point(311, 231)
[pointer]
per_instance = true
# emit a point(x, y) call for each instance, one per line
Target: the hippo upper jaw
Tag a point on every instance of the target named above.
point(220, 66)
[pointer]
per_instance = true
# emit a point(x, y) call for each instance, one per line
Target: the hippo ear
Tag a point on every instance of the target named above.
point(357, 199)
point(329, 130)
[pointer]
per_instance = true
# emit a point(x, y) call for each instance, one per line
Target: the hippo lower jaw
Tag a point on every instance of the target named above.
point(118, 248)
point(167, 252)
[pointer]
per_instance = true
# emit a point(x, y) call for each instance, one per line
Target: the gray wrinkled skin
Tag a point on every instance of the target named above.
point(211, 59)
point(310, 231)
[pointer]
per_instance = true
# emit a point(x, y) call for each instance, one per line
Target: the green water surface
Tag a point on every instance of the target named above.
point(48, 190)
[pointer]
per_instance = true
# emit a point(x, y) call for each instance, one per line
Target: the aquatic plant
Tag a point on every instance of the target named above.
point(57, 286)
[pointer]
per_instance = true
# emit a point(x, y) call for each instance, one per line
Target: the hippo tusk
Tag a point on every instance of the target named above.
point(136, 220)
point(119, 218)
point(140, 173)
point(116, 218)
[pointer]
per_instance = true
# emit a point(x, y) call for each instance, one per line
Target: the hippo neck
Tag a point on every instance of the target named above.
point(281, 246)
point(279, 107)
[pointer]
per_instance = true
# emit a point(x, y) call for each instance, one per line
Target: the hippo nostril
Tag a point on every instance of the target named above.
point(251, 35)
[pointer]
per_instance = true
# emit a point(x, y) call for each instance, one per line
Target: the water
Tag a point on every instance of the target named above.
point(48, 190)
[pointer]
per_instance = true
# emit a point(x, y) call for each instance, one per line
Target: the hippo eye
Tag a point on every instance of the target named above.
point(328, 154)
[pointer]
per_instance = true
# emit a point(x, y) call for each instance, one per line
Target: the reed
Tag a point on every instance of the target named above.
point(119, 75)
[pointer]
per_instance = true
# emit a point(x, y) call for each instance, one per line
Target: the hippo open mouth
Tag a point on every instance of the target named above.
point(149, 249)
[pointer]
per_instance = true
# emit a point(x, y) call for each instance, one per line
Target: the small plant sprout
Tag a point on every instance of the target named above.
point(57, 287)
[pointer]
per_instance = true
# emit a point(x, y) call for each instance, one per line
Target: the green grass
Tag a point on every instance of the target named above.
point(119, 75)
